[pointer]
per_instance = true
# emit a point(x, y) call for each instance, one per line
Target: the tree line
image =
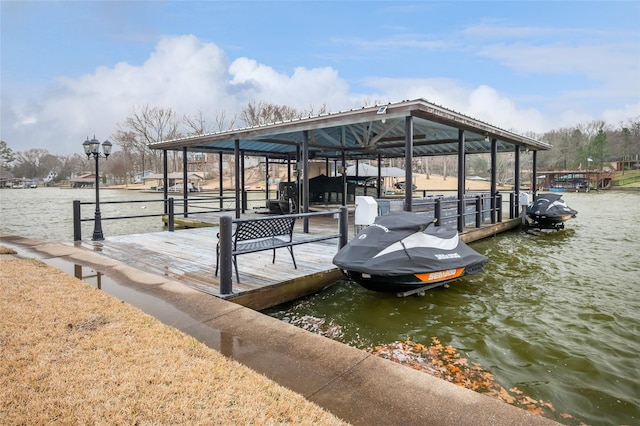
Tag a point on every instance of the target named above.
point(588, 144)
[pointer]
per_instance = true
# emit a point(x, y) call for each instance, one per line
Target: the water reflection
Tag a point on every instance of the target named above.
point(556, 314)
point(77, 272)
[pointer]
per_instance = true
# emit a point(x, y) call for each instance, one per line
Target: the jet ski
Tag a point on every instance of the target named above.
point(548, 211)
point(400, 252)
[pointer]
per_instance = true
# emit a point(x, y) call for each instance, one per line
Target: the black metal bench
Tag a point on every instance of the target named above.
point(256, 235)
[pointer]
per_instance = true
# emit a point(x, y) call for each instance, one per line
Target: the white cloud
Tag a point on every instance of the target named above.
point(25, 121)
point(189, 75)
point(488, 105)
point(303, 89)
point(622, 115)
point(182, 73)
point(482, 103)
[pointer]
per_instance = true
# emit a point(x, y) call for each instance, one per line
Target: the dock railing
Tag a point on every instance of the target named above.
point(226, 240)
point(476, 210)
point(172, 208)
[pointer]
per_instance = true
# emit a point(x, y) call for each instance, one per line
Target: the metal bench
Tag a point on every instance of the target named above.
point(256, 235)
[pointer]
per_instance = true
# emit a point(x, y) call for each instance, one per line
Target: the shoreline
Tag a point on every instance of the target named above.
point(317, 369)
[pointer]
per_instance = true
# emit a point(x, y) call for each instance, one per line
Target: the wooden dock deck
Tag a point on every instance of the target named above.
point(189, 256)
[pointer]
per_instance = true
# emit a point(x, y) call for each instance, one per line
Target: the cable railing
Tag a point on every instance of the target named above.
point(172, 207)
point(475, 210)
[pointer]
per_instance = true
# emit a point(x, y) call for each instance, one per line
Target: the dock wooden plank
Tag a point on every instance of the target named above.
point(189, 256)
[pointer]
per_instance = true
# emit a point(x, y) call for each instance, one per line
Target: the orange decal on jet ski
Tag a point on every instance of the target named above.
point(447, 274)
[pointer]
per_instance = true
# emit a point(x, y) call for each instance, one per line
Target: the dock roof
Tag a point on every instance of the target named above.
point(362, 133)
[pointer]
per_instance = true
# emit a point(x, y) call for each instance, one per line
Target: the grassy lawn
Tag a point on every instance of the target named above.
point(71, 354)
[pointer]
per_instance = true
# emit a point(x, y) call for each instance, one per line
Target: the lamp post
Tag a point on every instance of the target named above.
point(92, 147)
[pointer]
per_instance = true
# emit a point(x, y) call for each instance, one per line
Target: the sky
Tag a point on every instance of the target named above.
point(74, 69)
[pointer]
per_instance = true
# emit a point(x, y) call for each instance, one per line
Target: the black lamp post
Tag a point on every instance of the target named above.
point(92, 147)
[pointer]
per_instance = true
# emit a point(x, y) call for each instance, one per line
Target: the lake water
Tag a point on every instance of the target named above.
point(46, 214)
point(555, 315)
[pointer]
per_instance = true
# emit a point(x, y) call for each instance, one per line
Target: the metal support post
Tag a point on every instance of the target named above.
point(171, 218)
point(344, 226)
point(77, 228)
point(225, 259)
point(511, 205)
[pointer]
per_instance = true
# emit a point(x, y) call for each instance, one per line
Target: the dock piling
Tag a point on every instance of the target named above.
point(77, 229)
point(344, 226)
point(226, 273)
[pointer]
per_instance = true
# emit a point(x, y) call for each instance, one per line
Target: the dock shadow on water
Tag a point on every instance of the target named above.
point(553, 320)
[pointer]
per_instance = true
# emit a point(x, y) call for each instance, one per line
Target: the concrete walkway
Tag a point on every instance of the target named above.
point(358, 387)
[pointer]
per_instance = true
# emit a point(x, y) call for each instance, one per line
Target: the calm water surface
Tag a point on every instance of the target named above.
point(46, 214)
point(556, 315)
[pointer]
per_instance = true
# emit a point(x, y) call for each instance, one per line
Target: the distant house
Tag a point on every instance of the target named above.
point(194, 182)
point(83, 181)
point(139, 177)
point(51, 176)
point(6, 179)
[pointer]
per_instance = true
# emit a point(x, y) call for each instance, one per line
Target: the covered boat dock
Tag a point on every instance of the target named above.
point(330, 142)
point(407, 129)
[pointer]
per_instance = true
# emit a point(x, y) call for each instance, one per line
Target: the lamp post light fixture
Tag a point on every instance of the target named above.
point(92, 147)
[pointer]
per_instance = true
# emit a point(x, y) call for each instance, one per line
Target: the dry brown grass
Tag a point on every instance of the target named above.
point(71, 354)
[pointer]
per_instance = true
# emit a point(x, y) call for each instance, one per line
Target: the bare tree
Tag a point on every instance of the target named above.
point(72, 165)
point(198, 125)
point(118, 167)
point(146, 125)
point(261, 113)
point(153, 124)
point(134, 150)
point(36, 162)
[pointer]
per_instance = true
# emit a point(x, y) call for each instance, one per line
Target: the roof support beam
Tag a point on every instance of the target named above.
point(344, 178)
point(516, 181)
point(494, 166)
point(185, 190)
point(236, 155)
point(243, 192)
point(408, 161)
point(328, 137)
point(165, 176)
point(305, 179)
point(379, 180)
point(461, 179)
point(534, 174)
point(266, 172)
point(221, 171)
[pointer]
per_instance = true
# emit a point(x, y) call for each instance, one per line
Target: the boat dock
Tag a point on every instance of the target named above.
point(189, 256)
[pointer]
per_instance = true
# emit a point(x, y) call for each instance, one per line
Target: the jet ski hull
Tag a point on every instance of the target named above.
point(406, 283)
point(400, 252)
point(548, 211)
